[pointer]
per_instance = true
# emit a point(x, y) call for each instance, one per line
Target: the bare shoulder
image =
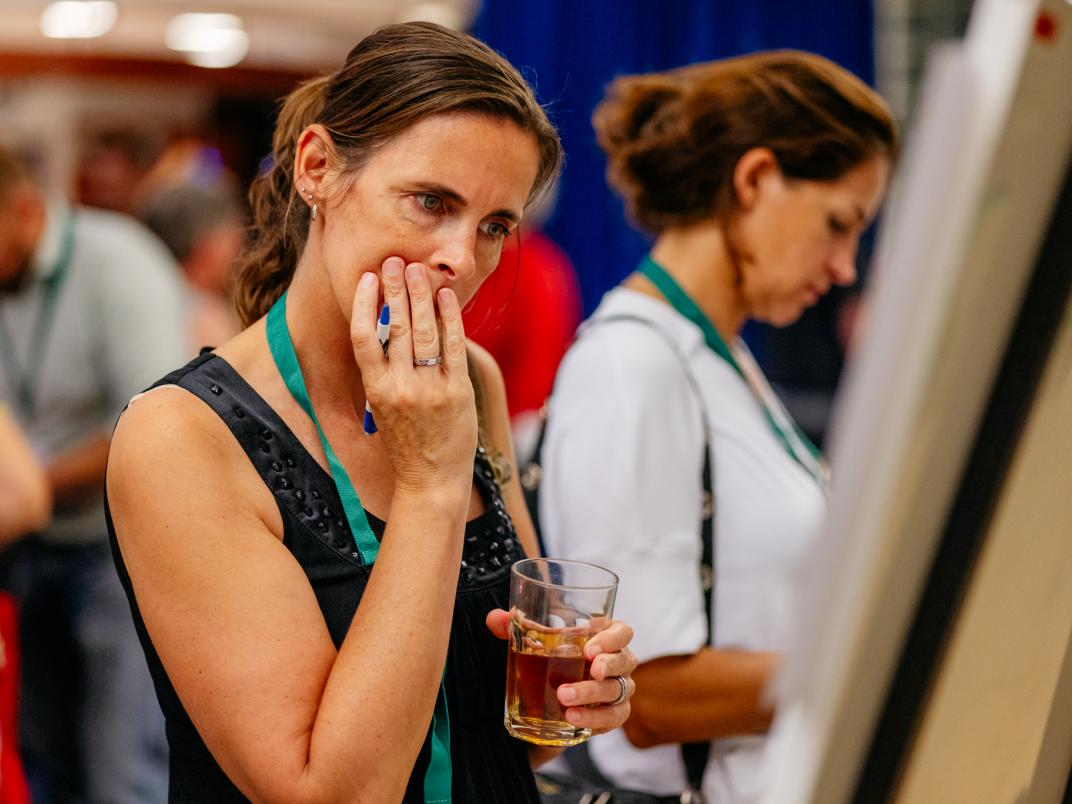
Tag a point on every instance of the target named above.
point(490, 375)
point(162, 428)
point(169, 448)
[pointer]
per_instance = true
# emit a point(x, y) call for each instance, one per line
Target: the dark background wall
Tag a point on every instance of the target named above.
point(571, 49)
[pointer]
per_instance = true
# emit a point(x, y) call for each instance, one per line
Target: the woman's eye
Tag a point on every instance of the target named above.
point(837, 226)
point(429, 202)
point(496, 230)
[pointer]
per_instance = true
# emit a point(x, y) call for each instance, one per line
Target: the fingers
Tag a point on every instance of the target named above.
point(400, 349)
point(453, 345)
point(620, 663)
point(425, 329)
point(612, 638)
point(598, 718)
point(363, 318)
point(498, 622)
point(416, 330)
point(591, 703)
point(594, 693)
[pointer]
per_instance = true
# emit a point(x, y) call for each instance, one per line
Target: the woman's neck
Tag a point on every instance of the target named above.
point(700, 261)
point(321, 337)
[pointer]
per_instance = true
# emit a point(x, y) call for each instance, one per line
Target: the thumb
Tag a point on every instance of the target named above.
point(498, 622)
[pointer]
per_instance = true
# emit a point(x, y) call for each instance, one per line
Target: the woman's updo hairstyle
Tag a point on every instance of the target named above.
point(673, 139)
point(392, 79)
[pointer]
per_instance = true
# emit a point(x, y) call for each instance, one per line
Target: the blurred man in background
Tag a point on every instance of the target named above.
point(25, 499)
point(91, 311)
point(112, 165)
point(191, 201)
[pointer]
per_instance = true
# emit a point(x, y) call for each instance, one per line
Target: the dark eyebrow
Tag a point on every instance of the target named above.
point(862, 217)
point(456, 198)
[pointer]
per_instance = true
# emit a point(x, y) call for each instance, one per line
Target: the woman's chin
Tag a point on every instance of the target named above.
point(784, 316)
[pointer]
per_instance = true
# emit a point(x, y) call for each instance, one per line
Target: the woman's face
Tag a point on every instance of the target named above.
point(798, 238)
point(445, 193)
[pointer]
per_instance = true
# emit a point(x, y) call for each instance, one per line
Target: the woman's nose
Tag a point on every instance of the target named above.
point(842, 264)
point(455, 257)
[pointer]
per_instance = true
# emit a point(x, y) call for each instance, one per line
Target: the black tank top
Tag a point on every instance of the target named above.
point(488, 764)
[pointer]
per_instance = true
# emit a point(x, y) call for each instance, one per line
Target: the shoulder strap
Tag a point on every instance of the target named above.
point(695, 755)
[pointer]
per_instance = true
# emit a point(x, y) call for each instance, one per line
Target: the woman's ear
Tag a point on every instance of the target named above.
point(755, 166)
point(311, 161)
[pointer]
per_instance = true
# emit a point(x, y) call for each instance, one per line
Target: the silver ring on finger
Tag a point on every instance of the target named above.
point(623, 696)
point(428, 361)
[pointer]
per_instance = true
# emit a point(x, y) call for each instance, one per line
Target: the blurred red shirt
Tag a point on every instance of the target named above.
point(525, 314)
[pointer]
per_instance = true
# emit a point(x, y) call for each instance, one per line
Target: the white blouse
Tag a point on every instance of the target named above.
point(621, 487)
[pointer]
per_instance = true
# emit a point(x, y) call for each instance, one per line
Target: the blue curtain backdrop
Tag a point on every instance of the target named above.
point(571, 49)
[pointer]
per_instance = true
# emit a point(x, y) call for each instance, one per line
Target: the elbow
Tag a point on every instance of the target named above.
point(25, 510)
point(330, 788)
point(642, 727)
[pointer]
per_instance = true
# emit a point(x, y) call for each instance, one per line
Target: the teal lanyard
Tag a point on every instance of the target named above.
point(793, 440)
point(24, 381)
point(437, 779)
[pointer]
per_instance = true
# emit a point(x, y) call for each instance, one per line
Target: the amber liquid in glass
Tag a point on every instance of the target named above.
point(539, 662)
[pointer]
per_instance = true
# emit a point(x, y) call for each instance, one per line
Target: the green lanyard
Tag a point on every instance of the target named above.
point(437, 779)
point(24, 382)
point(793, 440)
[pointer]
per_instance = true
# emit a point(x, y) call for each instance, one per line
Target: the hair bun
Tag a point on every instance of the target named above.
point(673, 139)
point(633, 109)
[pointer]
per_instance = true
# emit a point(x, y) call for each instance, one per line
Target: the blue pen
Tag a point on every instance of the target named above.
point(383, 332)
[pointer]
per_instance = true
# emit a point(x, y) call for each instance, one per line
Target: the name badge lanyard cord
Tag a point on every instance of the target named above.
point(796, 444)
point(25, 380)
point(437, 780)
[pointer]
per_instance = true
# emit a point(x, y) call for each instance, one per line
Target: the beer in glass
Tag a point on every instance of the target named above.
point(556, 606)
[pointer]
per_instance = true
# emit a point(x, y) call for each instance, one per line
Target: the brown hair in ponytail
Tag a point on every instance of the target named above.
point(673, 139)
point(264, 271)
point(393, 78)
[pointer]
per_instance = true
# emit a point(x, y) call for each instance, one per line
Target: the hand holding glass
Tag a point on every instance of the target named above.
point(556, 606)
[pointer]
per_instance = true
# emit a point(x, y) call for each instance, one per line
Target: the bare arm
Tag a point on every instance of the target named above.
point(497, 423)
point(232, 615)
point(703, 696)
point(25, 502)
point(77, 475)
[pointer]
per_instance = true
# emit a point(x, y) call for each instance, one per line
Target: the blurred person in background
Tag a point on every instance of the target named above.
point(91, 308)
point(112, 165)
point(756, 176)
point(525, 316)
point(203, 225)
point(25, 498)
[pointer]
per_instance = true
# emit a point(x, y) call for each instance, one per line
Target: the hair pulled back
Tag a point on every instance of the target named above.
point(673, 139)
point(393, 78)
